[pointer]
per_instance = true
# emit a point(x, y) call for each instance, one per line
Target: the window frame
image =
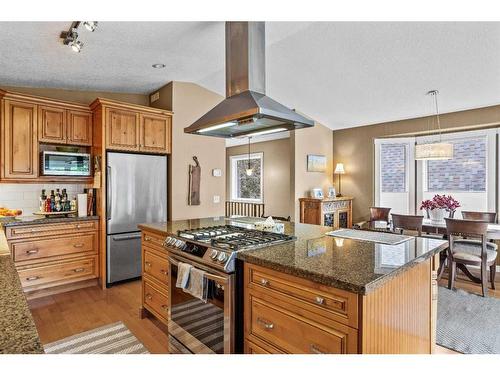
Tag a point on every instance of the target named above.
point(233, 178)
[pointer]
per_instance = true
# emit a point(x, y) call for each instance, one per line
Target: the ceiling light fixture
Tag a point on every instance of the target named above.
point(437, 150)
point(90, 25)
point(70, 37)
point(158, 66)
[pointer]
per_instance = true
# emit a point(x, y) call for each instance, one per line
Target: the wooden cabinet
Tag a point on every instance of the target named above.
point(134, 128)
point(286, 314)
point(52, 124)
point(155, 277)
point(19, 140)
point(154, 133)
point(122, 130)
point(79, 127)
point(336, 212)
point(54, 256)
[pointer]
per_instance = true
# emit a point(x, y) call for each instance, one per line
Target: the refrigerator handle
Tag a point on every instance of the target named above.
point(108, 193)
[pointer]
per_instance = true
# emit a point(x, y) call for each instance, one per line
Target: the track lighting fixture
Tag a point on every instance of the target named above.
point(70, 37)
point(90, 25)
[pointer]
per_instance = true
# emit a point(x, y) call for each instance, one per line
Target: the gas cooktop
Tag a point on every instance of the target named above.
point(217, 245)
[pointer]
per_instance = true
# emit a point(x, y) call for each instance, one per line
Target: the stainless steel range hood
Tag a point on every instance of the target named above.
point(246, 111)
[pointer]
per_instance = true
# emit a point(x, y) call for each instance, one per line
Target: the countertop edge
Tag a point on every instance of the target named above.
point(325, 280)
point(6, 223)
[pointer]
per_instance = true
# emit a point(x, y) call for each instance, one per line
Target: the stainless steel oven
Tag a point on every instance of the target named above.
point(198, 327)
point(65, 164)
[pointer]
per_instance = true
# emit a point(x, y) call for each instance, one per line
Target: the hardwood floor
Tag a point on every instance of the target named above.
point(463, 283)
point(77, 311)
point(69, 313)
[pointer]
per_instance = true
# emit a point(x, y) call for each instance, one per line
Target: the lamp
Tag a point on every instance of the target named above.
point(249, 169)
point(438, 150)
point(339, 169)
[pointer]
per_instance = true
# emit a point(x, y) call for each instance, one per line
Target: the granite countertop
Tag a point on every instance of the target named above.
point(352, 265)
point(18, 332)
point(34, 220)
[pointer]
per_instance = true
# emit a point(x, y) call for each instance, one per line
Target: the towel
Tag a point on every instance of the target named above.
point(197, 285)
point(183, 273)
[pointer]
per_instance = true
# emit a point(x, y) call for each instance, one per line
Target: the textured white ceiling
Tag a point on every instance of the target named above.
point(341, 74)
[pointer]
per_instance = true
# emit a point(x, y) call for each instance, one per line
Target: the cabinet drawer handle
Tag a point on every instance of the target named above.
point(32, 278)
point(164, 307)
point(264, 282)
point(164, 272)
point(77, 270)
point(320, 300)
point(78, 226)
point(78, 245)
point(148, 264)
point(315, 349)
point(149, 296)
point(146, 238)
point(265, 324)
point(34, 251)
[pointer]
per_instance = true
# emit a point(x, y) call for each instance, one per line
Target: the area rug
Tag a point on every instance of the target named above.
point(468, 323)
point(113, 338)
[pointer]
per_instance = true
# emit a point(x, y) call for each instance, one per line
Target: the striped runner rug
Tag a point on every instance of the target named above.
point(114, 338)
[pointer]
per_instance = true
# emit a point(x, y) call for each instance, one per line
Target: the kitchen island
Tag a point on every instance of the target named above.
point(319, 294)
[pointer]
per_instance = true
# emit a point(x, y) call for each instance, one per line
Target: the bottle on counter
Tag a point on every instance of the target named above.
point(48, 205)
point(52, 201)
point(57, 201)
point(73, 204)
point(42, 201)
point(64, 199)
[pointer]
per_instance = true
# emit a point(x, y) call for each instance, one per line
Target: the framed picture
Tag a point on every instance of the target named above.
point(316, 163)
point(331, 192)
point(317, 193)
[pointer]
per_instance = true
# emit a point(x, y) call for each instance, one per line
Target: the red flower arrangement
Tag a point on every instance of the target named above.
point(440, 201)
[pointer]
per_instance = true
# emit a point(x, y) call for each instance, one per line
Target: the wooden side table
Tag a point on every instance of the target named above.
point(332, 212)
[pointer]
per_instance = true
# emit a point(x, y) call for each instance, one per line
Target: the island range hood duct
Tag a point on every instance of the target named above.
point(247, 111)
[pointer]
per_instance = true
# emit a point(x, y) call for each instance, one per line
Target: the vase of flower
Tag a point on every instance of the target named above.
point(440, 206)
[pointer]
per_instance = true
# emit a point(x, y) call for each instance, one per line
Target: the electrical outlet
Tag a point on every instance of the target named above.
point(216, 199)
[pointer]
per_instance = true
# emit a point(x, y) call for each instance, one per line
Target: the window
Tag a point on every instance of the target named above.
point(393, 167)
point(244, 187)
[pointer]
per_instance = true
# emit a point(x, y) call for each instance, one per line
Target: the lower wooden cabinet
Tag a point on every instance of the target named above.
point(155, 277)
point(52, 256)
point(285, 314)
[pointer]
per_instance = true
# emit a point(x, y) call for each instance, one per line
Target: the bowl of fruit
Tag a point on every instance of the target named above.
point(5, 212)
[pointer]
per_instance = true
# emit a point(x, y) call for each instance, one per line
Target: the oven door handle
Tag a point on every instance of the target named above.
point(218, 279)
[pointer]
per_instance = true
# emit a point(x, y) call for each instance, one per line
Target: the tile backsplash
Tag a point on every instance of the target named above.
point(25, 196)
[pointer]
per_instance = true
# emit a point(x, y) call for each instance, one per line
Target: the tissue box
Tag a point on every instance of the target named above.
point(270, 226)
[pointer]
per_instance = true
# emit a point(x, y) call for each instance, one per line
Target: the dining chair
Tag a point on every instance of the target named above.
point(489, 217)
point(413, 223)
point(466, 252)
point(379, 213)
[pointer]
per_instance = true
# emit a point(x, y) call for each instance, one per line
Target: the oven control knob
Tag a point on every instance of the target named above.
point(222, 257)
point(179, 243)
point(170, 240)
point(167, 241)
point(214, 254)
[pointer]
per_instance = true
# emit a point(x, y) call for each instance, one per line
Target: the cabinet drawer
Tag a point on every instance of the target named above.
point(60, 271)
point(294, 334)
point(259, 347)
point(152, 239)
point(39, 249)
point(310, 297)
point(155, 298)
point(13, 233)
point(155, 266)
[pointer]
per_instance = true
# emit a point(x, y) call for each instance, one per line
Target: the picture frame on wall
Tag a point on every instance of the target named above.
point(316, 163)
point(317, 193)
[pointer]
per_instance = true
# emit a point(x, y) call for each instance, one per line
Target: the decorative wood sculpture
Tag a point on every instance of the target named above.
point(194, 183)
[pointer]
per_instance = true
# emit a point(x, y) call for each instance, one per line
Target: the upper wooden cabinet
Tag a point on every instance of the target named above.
point(79, 127)
point(52, 124)
point(19, 140)
point(134, 128)
point(122, 129)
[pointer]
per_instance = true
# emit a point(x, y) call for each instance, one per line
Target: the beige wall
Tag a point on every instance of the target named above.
point(85, 97)
point(354, 147)
point(276, 174)
point(316, 141)
point(189, 101)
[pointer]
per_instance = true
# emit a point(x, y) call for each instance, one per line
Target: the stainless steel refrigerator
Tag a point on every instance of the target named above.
point(136, 193)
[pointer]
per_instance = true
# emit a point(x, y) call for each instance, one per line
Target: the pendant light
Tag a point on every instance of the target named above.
point(437, 150)
point(249, 169)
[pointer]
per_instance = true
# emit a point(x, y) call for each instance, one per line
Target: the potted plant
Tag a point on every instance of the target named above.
point(438, 206)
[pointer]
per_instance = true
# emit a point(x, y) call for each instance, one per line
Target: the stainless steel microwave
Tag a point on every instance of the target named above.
point(65, 164)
